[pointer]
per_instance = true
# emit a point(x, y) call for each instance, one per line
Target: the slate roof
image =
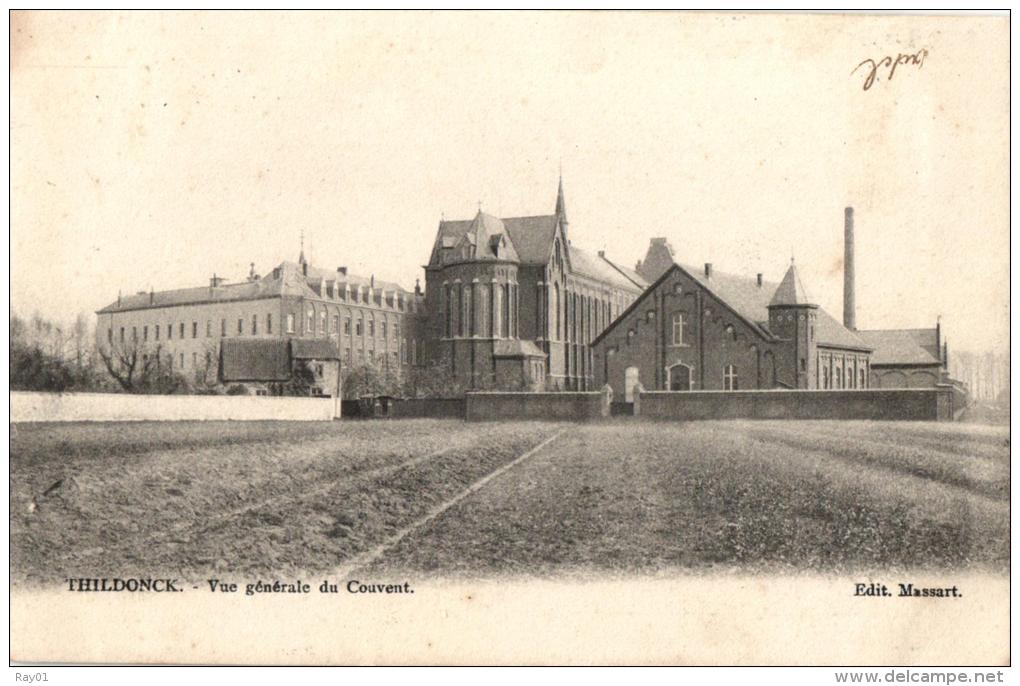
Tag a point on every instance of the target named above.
point(790, 290)
point(830, 332)
point(531, 240)
point(533, 237)
point(631, 275)
point(903, 346)
point(598, 267)
point(255, 359)
point(739, 292)
point(313, 349)
point(286, 279)
point(263, 288)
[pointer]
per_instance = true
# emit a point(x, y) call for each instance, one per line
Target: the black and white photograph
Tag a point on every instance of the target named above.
point(509, 338)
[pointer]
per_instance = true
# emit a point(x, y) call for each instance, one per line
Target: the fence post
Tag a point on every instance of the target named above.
point(638, 390)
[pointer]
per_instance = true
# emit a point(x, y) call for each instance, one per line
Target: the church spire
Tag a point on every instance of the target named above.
point(561, 205)
point(301, 257)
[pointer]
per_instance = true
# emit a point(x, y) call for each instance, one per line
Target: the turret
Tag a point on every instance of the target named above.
point(792, 318)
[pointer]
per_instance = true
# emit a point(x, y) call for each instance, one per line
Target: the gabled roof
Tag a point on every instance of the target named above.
point(751, 302)
point(597, 267)
point(790, 290)
point(254, 359)
point(632, 276)
point(831, 333)
point(903, 346)
point(741, 293)
point(532, 237)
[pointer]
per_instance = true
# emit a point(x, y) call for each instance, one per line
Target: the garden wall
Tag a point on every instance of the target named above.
point(489, 406)
point(443, 408)
point(122, 407)
point(928, 404)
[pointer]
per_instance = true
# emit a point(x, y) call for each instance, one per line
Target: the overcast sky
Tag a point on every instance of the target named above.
point(151, 150)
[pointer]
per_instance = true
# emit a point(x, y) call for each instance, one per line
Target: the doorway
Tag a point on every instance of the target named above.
point(679, 377)
point(631, 379)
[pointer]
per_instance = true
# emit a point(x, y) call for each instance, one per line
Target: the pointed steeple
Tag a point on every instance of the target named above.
point(790, 291)
point(561, 205)
point(301, 257)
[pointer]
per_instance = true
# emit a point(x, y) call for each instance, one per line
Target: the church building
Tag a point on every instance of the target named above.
point(512, 303)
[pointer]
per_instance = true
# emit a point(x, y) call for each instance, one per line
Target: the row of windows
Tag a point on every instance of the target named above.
point(461, 318)
point(586, 316)
point(367, 295)
point(180, 362)
point(313, 324)
point(837, 378)
point(182, 329)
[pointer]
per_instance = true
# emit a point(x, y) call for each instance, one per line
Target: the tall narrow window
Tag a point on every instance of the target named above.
point(290, 323)
point(157, 332)
point(556, 307)
point(730, 378)
point(182, 330)
point(208, 328)
point(322, 322)
point(371, 327)
point(145, 333)
point(678, 329)
point(861, 374)
point(169, 332)
point(269, 323)
point(448, 329)
point(468, 326)
point(310, 320)
point(109, 335)
point(240, 325)
point(223, 328)
point(254, 324)
point(347, 326)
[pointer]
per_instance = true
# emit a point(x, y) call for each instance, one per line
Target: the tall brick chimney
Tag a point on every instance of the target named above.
point(849, 307)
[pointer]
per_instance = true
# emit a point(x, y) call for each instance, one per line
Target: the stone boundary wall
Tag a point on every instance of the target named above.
point(122, 407)
point(580, 407)
point(927, 404)
point(442, 408)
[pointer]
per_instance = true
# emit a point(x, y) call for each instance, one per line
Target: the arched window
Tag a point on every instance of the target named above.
point(862, 377)
point(455, 329)
point(730, 382)
point(825, 377)
point(309, 320)
point(497, 311)
point(448, 328)
point(678, 329)
point(556, 306)
point(322, 323)
point(483, 317)
point(849, 378)
point(469, 324)
point(505, 310)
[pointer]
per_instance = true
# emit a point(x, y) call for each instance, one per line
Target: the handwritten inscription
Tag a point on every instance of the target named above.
point(872, 68)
